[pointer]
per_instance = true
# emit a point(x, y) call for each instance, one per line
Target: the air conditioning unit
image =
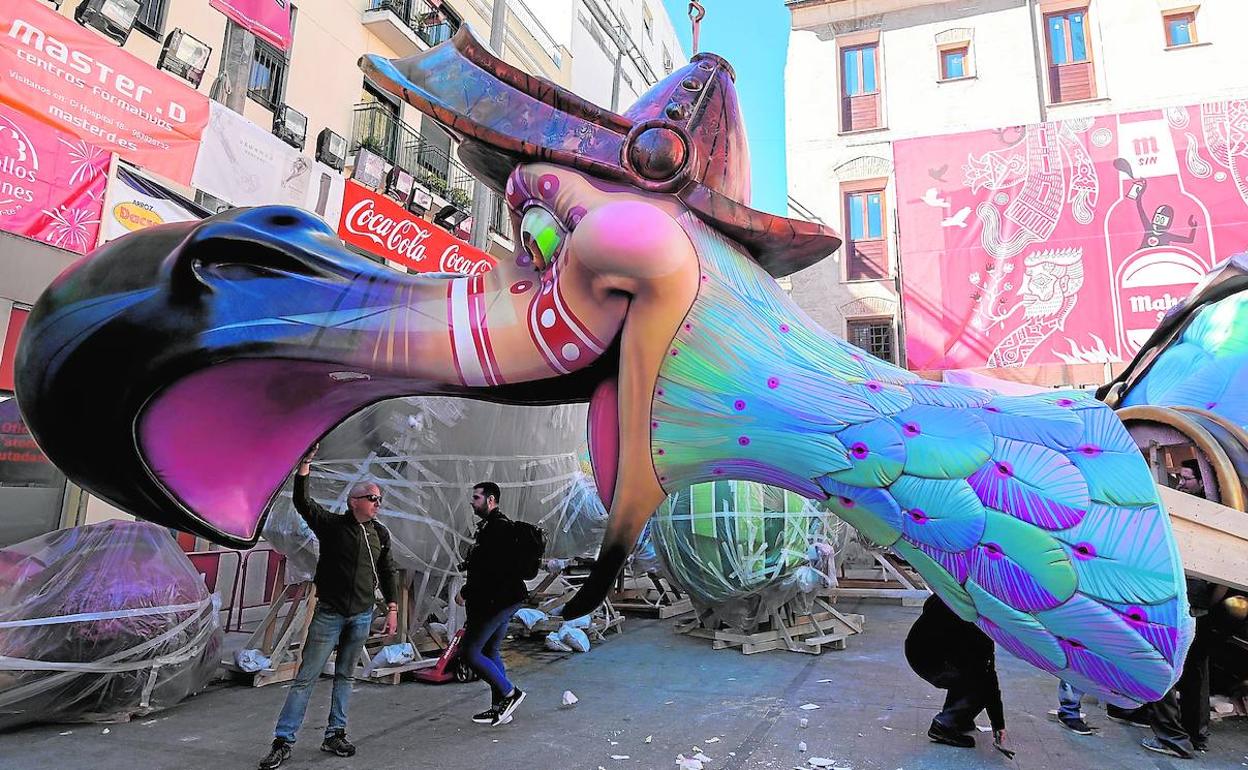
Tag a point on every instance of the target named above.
point(113, 18)
point(369, 169)
point(185, 56)
point(291, 126)
point(331, 149)
point(399, 185)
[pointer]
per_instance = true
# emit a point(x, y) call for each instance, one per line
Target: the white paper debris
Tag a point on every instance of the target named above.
point(824, 681)
point(688, 764)
point(819, 762)
point(68, 732)
point(983, 729)
point(149, 722)
point(712, 740)
point(615, 743)
point(810, 707)
point(860, 735)
point(702, 757)
point(804, 722)
point(649, 738)
point(801, 746)
point(619, 756)
point(105, 731)
point(886, 727)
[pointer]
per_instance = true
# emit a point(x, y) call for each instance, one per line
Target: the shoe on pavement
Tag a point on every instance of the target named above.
point(276, 756)
point(508, 705)
point(1126, 716)
point(1152, 744)
point(937, 732)
point(1077, 726)
point(337, 743)
point(486, 717)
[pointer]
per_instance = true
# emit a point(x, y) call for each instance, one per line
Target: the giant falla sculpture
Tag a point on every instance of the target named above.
point(182, 371)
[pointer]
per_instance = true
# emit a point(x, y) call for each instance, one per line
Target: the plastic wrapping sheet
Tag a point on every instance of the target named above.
point(101, 623)
point(426, 453)
point(742, 549)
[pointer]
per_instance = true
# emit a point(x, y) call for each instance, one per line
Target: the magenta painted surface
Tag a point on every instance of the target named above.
point(268, 20)
point(224, 440)
point(51, 184)
point(1034, 245)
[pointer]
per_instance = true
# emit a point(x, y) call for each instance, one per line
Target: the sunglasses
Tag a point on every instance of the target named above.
point(370, 498)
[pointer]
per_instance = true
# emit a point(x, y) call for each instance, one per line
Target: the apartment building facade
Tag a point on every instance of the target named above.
point(864, 77)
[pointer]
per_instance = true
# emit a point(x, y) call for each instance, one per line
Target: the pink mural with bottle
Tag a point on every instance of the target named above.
point(1066, 241)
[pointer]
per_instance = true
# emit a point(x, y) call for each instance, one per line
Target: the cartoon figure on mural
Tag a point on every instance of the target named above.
point(1157, 227)
point(1049, 289)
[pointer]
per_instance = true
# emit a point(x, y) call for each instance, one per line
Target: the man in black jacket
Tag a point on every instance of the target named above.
point(354, 562)
point(492, 593)
point(953, 654)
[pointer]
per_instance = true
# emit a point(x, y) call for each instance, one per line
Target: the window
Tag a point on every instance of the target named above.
point(954, 63)
point(267, 84)
point(860, 88)
point(151, 18)
point(667, 61)
point(874, 335)
point(1070, 61)
point(647, 20)
point(866, 246)
point(1180, 28)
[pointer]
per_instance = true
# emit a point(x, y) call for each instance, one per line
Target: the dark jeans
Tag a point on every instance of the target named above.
point(328, 632)
point(483, 639)
point(962, 705)
point(1181, 717)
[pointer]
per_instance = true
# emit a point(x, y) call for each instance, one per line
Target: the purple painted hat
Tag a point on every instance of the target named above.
point(684, 136)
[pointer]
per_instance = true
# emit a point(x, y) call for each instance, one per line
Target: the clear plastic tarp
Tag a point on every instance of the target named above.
point(426, 453)
point(742, 549)
point(101, 623)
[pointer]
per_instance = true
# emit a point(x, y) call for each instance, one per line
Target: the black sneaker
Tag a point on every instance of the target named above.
point(277, 755)
point(937, 732)
point(1132, 717)
point(1152, 744)
point(486, 717)
point(1077, 726)
point(337, 743)
point(507, 706)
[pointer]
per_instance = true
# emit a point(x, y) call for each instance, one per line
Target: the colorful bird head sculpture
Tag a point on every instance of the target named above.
point(182, 371)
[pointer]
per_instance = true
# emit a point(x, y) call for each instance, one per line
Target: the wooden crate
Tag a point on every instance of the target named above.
point(824, 627)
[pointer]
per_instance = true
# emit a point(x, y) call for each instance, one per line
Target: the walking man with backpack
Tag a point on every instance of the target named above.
point(497, 565)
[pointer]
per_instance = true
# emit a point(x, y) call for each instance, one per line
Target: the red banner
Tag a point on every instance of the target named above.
point(380, 226)
point(1064, 242)
point(75, 79)
point(51, 184)
point(268, 20)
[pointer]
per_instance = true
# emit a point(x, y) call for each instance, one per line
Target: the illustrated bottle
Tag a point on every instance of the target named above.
point(1158, 236)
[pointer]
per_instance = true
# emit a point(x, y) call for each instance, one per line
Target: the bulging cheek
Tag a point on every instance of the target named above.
point(630, 237)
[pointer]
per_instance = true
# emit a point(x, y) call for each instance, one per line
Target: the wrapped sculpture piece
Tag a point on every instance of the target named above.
point(181, 371)
point(742, 549)
point(101, 623)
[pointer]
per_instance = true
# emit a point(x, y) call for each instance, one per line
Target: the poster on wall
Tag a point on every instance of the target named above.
point(1065, 242)
point(21, 460)
point(51, 183)
point(136, 201)
point(76, 80)
point(268, 20)
point(245, 165)
point(380, 226)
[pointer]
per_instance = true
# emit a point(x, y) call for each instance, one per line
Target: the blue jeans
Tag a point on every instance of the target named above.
point(327, 632)
point(483, 638)
point(1069, 698)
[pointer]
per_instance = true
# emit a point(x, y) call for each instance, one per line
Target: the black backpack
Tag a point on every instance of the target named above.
point(530, 548)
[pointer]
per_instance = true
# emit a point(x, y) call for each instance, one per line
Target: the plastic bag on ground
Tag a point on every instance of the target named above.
point(529, 617)
point(251, 661)
point(553, 642)
point(574, 638)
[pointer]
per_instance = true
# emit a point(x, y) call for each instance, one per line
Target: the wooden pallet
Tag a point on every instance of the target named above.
point(650, 595)
point(280, 636)
point(824, 627)
point(372, 646)
point(888, 580)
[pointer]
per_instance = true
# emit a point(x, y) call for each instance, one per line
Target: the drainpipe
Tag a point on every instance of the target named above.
point(482, 196)
point(1037, 53)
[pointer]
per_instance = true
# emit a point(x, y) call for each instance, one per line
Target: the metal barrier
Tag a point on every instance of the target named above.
point(274, 574)
point(208, 564)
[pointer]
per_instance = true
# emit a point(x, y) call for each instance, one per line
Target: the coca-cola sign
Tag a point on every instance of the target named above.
point(379, 225)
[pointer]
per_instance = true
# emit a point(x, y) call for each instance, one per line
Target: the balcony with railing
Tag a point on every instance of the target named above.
point(409, 26)
point(376, 128)
point(500, 219)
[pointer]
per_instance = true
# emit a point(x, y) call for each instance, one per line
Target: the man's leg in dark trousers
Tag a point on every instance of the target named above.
point(1167, 723)
point(1193, 685)
point(962, 705)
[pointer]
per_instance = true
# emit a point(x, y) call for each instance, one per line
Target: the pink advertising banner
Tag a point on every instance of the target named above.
point(1064, 242)
point(268, 20)
point(51, 183)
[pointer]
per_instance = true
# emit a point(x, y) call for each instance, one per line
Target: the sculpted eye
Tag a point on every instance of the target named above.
point(541, 235)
